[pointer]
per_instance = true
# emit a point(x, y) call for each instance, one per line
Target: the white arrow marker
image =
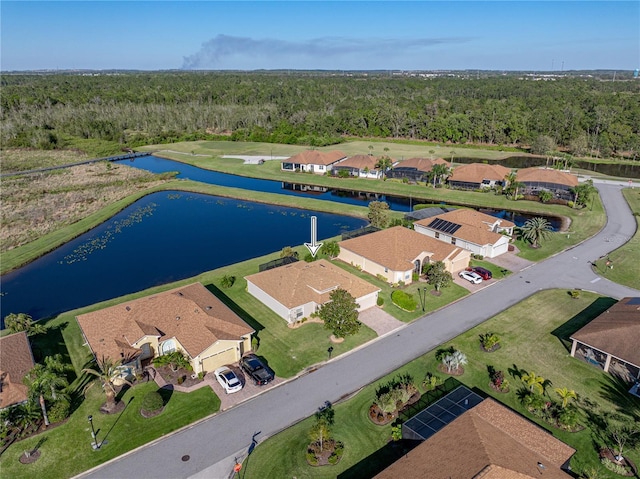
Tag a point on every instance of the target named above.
point(313, 246)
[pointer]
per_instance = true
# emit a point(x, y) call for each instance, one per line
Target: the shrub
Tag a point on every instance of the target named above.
point(152, 401)
point(489, 340)
point(380, 301)
point(59, 411)
point(381, 277)
point(201, 375)
point(612, 466)
point(431, 381)
point(415, 277)
point(312, 459)
point(574, 293)
point(227, 281)
point(403, 300)
point(570, 204)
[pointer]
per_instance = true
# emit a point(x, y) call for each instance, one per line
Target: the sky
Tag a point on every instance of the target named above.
point(341, 35)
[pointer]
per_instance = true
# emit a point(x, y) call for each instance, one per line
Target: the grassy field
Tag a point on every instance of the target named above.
point(625, 260)
point(534, 337)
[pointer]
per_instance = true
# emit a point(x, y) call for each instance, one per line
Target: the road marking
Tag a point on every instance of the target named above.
point(595, 280)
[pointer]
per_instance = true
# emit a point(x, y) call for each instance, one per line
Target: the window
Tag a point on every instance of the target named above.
point(437, 235)
point(321, 167)
point(453, 241)
point(299, 312)
point(167, 347)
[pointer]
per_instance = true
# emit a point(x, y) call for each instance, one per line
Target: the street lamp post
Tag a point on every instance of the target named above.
point(330, 350)
point(94, 443)
point(422, 293)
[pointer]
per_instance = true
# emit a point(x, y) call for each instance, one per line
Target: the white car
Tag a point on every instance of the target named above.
point(471, 276)
point(228, 379)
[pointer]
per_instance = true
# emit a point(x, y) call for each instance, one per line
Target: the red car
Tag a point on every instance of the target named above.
point(483, 272)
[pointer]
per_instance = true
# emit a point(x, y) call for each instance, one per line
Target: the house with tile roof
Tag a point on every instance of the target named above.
point(396, 253)
point(477, 176)
point(415, 169)
point(189, 319)
point(488, 441)
point(610, 341)
point(469, 229)
point(361, 166)
point(16, 360)
point(313, 161)
point(557, 182)
point(297, 290)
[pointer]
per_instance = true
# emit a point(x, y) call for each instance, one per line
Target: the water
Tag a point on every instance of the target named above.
point(163, 237)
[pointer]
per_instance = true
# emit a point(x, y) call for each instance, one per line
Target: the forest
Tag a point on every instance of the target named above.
point(578, 115)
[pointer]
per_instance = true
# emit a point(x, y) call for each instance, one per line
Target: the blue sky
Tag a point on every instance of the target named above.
point(360, 35)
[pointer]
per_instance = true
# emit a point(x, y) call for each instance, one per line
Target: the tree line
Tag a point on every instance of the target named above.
point(580, 115)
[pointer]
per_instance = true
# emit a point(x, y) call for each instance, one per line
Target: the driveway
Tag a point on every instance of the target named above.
point(249, 389)
point(212, 445)
point(379, 320)
point(510, 261)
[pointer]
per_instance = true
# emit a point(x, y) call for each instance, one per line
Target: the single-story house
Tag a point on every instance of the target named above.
point(611, 341)
point(16, 360)
point(297, 290)
point(469, 229)
point(189, 318)
point(415, 169)
point(487, 441)
point(313, 161)
point(396, 253)
point(557, 182)
point(362, 166)
point(476, 176)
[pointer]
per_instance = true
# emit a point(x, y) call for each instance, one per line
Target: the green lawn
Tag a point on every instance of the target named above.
point(534, 337)
point(624, 258)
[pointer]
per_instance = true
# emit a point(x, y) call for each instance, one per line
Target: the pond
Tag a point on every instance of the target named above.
point(163, 237)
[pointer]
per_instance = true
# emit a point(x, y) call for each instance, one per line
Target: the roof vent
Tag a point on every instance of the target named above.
point(177, 318)
point(208, 308)
point(128, 308)
point(180, 293)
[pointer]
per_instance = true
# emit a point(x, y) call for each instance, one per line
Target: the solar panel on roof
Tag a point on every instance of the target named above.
point(634, 301)
point(444, 226)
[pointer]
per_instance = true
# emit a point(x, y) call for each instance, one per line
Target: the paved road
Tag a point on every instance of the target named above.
point(213, 443)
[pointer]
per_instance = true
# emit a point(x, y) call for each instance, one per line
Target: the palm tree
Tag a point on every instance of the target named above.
point(535, 230)
point(23, 322)
point(534, 383)
point(383, 164)
point(438, 171)
point(566, 395)
point(44, 382)
point(109, 371)
point(513, 184)
point(370, 150)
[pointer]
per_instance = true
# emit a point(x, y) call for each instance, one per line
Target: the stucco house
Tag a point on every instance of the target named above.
point(361, 166)
point(610, 341)
point(16, 360)
point(189, 318)
point(396, 253)
point(469, 229)
point(313, 161)
point(557, 182)
point(477, 176)
point(415, 169)
point(488, 441)
point(297, 290)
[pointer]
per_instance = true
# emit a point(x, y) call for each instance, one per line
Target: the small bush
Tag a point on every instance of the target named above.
point(312, 459)
point(152, 401)
point(415, 277)
point(574, 293)
point(612, 466)
point(570, 204)
point(380, 301)
point(201, 375)
point(227, 281)
point(59, 411)
point(403, 300)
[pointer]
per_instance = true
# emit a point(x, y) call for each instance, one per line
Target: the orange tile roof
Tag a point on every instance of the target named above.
point(301, 282)
point(191, 314)
point(490, 441)
point(476, 172)
point(474, 225)
point(397, 248)
point(422, 164)
point(360, 162)
point(16, 360)
point(315, 157)
point(616, 331)
point(546, 175)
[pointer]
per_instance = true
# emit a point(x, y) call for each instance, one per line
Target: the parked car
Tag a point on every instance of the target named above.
point(259, 372)
point(470, 276)
point(483, 272)
point(228, 379)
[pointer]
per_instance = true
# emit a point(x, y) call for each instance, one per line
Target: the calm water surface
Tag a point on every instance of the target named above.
point(161, 238)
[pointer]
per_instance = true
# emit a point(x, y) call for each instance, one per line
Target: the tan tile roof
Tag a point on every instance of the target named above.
point(616, 331)
point(360, 162)
point(203, 320)
point(300, 283)
point(315, 157)
point(16, 360)
point(546, 175)
point(474, 225)
point(422, 164)
point(397, 248)
point(476, 172)
point(487, 440)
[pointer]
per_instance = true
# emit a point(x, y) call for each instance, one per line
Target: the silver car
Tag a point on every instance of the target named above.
point(471, 276)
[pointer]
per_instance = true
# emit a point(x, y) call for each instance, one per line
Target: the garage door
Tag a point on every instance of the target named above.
point(228, 356)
